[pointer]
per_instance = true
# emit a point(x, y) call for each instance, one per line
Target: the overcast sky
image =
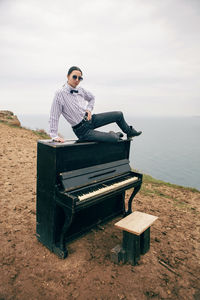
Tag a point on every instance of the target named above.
point(138, 56)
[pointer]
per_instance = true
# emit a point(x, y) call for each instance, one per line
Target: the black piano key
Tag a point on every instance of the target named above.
point(93, 188)
point(88, 190)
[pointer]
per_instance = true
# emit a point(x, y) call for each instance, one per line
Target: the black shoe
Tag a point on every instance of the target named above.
point(133, 133)
point(119, 134)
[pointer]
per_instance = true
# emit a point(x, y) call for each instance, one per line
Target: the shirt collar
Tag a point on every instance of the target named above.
point(68, 87)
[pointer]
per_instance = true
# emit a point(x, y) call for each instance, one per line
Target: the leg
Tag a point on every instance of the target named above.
point(87, 133)
point(99, 136)
point(102, 119)
point(145, 241)
point(131, 245)
point(135, 191)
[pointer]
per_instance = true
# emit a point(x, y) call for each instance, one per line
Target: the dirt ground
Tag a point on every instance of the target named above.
point(170, 270)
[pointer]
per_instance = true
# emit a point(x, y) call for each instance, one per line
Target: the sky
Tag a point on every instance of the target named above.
point(138, 56)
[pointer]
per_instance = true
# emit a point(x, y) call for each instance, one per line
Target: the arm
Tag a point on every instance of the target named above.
point(55, 113)
point(91, 99)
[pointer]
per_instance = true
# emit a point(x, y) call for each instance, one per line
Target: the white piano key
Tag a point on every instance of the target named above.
point(107, 188)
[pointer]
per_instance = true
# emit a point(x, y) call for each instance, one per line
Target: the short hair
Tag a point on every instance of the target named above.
point(74, 68)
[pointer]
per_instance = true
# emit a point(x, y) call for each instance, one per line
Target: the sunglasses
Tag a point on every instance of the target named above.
point(79, 77)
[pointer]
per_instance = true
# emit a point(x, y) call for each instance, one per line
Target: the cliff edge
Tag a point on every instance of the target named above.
point(8, 117)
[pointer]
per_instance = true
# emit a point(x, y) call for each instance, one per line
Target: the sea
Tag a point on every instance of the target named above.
point(168, 149)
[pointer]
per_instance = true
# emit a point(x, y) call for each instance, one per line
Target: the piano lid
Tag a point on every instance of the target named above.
point(70, 142)
point(71, 180)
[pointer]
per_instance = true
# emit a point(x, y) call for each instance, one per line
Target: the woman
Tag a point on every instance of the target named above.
point(76, 105)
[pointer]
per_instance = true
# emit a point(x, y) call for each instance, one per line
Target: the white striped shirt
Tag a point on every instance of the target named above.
point(71, 106)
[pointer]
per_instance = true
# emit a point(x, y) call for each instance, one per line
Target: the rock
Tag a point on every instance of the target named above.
point(9, 118)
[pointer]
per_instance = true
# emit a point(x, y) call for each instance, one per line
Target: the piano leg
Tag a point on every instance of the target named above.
point(135, 191)
point(61, 253)
point(60, 248)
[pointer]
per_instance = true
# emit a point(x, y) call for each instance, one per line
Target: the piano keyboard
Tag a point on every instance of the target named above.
point(107, 188)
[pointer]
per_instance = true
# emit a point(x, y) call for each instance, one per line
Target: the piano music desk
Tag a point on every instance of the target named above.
point(136, 237)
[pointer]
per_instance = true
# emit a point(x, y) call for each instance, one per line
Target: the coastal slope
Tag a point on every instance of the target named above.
point(170, 270)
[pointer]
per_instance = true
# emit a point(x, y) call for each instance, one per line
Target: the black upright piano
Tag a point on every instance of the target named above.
point(80, 185)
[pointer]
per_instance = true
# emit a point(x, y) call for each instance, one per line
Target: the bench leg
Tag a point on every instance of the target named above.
point(118, 254)
point(145, 241)
point(131, 245)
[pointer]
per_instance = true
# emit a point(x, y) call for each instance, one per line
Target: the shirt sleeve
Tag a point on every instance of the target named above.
point(56, 109)
point(90, 98)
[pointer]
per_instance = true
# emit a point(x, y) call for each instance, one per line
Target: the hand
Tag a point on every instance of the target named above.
point(89, 116)
point(59, 139)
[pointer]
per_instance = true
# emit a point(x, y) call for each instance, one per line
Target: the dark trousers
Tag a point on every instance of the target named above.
point(86, 130)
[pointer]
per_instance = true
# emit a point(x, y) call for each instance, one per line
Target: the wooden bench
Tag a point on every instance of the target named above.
point(136, 237)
